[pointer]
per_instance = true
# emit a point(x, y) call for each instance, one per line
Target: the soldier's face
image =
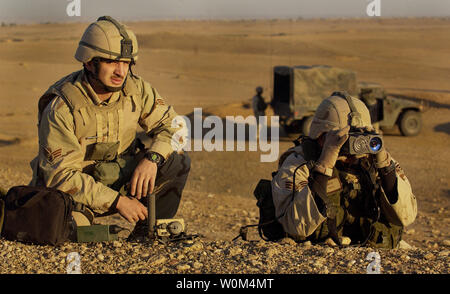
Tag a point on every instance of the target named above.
point(112, 73)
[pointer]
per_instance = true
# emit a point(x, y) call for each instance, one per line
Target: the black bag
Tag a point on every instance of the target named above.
point(269, 228)
point(36, 215)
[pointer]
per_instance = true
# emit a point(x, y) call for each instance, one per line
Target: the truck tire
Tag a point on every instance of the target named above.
point(410, 123)
point(306, 124)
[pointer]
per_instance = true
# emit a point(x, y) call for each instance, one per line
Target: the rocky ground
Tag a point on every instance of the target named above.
point(215, 252)
point(222, 257)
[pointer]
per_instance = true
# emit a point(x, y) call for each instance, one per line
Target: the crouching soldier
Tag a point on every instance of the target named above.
point(87, 134)
point(322, 191)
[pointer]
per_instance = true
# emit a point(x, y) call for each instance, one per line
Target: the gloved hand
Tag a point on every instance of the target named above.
point(382, 158)
point(332, 144)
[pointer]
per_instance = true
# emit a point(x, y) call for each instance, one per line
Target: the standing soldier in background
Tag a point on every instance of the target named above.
point(258, 104)
point(319, 192)
point(87, 134)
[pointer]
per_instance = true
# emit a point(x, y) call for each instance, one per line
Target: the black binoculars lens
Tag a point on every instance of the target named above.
point(375, 144)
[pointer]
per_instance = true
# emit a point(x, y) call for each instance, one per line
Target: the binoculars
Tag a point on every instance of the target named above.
point(361, 141)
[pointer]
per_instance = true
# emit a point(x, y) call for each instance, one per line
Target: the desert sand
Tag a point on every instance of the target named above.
point(216, 65)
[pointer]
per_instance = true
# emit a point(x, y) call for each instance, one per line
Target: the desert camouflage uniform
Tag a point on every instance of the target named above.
point(355, 190)
point(301, 216)
point(69, 134)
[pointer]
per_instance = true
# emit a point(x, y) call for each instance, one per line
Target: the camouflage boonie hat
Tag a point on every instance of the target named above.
point(107, 38)
point(335, 113)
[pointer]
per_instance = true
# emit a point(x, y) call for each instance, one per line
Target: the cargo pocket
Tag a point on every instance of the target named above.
point(108, 173)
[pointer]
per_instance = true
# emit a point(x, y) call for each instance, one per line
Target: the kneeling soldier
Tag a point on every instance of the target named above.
point(320, 191)
point(87, 134)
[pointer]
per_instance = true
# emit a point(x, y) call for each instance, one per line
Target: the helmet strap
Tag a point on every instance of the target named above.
point(131, 70)
point(354, 117)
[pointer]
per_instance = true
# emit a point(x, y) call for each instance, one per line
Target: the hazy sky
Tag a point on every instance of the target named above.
point(26, 11)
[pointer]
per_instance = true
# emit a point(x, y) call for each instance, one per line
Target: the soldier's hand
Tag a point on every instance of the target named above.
point(131, 209)
point(382, 158)
point(332, 145)
point(143, 179)
point(335, 139)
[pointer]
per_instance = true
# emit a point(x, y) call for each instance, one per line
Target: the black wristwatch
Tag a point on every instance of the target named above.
point(155, 157)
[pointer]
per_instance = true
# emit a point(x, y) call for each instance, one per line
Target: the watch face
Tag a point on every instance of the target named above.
point(154, 157)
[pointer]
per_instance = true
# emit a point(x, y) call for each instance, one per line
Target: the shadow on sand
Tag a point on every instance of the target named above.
point(443, 128)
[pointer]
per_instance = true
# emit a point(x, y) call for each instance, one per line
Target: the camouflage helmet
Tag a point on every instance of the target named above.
point(107, 38)
point(338, 111)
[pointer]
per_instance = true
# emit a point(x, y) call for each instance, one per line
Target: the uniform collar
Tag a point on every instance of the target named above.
point(130, 87)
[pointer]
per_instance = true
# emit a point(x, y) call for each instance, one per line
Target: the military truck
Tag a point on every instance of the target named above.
point(298, 91)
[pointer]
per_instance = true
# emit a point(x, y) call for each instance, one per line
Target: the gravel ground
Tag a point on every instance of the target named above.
point(215, 253)
point(221, 257)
